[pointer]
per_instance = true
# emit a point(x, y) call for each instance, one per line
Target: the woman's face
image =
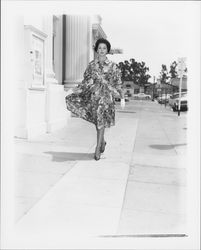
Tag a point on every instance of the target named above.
point(102, 49)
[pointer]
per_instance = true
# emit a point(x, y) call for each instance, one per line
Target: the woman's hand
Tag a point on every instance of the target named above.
point(123, 103)
point(70, 91)
point(74, 91)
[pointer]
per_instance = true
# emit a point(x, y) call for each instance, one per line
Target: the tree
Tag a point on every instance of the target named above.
point(173, 71)
point(164, 74)
point(135, 72)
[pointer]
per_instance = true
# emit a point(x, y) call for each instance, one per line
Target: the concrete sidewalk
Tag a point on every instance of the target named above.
point(138, 186)
point(155, 199)
point(73, 193)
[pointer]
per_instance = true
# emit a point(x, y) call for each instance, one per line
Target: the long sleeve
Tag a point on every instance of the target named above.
point(117, 83)
point(87, 78)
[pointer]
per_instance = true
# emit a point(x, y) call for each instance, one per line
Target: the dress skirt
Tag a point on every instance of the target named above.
point(95, 106)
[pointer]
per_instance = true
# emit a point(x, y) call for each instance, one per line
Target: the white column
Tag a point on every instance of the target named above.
point(77, 49)
point(91, 49)
point(56, 114)
point(48, 29)
point(20, 84)
point(58, 47)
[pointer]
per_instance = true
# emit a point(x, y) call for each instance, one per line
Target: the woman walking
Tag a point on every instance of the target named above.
point(93, 99)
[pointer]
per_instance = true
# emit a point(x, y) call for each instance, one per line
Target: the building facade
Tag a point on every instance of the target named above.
point(176, 82)
point(170, 87)
point(53, 52)
point(130, 88)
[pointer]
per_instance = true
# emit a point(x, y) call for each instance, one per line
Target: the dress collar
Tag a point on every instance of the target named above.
point(107, 61)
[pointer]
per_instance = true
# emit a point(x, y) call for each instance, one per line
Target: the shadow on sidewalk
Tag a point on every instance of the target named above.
point(166, 147)
point(70, 156)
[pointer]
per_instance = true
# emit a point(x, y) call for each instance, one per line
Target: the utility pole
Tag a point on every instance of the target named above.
point(181, 68)
point(153, 87)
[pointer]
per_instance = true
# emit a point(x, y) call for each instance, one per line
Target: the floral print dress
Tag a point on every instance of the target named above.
point(93, 99)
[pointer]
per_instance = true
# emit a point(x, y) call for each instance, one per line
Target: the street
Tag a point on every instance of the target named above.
point(138, 187)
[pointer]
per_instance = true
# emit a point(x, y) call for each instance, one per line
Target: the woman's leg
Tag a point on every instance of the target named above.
point(103, 138)
point(103, 144)
point(100, 136)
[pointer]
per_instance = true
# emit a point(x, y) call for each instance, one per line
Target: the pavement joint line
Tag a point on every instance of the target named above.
point(45, 172)
point(158, 183)
point(38, 200)
point(154, 211)
point(137, 126)
point(155, 166)
point(44, 194)
point(122, 207)
point(98, 178)
point(144, 236)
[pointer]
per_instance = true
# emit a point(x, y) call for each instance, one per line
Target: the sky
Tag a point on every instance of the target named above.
point(154, 32)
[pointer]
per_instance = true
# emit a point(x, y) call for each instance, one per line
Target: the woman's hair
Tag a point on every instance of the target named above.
point(102, 40)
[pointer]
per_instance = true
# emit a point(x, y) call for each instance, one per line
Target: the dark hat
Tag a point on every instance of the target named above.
point(102, 40)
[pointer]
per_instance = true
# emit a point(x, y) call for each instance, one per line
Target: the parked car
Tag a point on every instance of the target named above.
point(154, 98)
point(142, 96)
point(174, 101)
point(175, 96)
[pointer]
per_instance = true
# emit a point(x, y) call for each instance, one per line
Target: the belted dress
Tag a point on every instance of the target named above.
point(94, 98)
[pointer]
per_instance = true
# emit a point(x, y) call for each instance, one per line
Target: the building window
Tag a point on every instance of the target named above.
point(128, 86)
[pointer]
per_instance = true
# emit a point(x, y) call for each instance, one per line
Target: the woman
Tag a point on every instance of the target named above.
point(93, 99)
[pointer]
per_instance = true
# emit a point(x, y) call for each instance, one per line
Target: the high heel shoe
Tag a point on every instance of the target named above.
point(97, 154)
point(103, 145)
